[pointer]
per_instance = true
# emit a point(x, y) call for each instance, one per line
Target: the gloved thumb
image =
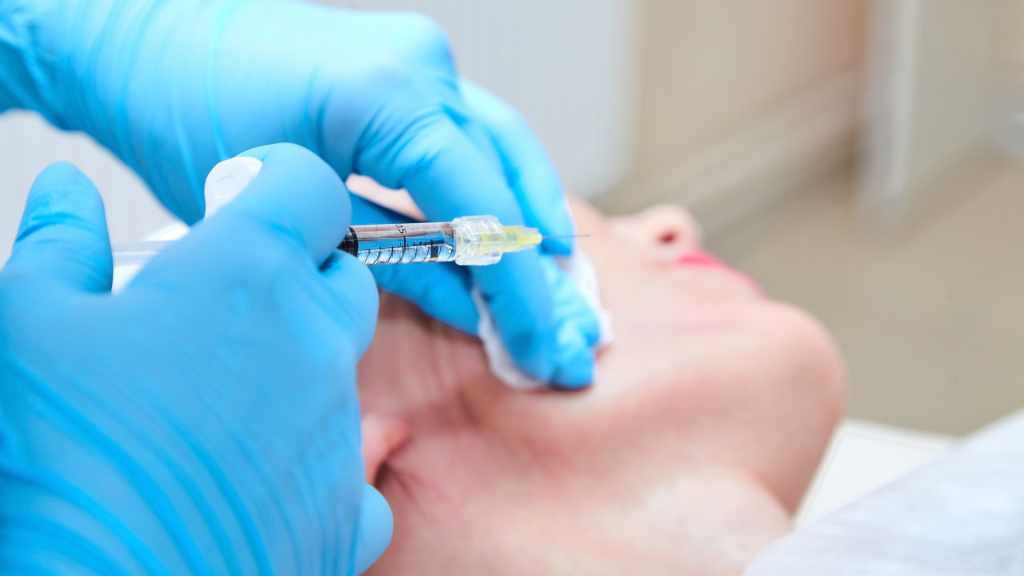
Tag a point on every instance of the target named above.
point(374, 531)
point(63, 232)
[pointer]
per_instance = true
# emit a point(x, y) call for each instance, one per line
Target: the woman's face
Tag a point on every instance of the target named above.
point(709, 413)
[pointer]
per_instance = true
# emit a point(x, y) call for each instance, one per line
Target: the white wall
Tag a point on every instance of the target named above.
point(567, 65)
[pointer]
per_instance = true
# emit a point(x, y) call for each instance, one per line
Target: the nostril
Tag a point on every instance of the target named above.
point(667, 230)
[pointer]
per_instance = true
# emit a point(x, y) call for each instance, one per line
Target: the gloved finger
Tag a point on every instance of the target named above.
point(575, 368)
point(578, 332)
point(575, 340)
point(477, 133)
point(63, 232)
point(297, 198)
point(442, 169)
point(354, 297)
point(374, 529)
point(528, 169)
point(442, 291)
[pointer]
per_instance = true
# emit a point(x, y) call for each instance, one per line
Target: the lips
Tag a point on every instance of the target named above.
point(701, 259)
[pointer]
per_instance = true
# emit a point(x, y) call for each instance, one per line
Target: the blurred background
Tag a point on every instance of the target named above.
point(860, 158)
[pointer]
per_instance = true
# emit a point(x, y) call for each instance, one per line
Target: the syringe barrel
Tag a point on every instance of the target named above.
point(401, 243)
point(469, 241)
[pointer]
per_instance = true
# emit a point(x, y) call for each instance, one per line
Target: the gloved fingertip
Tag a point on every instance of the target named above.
point(63, 231)
point(62, 176)
point(576, 371)
point(374, 529)
point(62, 190)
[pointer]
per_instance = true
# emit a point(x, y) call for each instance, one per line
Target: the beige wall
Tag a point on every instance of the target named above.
point(709, 66)
point(714, 69)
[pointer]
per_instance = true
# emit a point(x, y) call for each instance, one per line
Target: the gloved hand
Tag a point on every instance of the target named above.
point(204, 420)
point(172, 88)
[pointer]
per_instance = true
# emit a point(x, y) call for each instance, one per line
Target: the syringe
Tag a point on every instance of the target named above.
point(468, 241)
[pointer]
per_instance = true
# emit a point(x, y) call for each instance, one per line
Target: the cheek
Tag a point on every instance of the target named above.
point(658, 293)
point(711, 282)
point(680, 302)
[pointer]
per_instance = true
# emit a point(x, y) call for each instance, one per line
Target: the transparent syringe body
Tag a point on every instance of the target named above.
point(401, 243)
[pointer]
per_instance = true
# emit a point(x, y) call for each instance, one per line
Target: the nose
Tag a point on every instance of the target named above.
point(669, 230)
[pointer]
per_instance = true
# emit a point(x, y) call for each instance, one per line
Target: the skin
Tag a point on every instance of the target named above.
point(710, 412)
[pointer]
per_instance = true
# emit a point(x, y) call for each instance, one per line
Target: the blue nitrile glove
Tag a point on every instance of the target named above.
point(175, 87)
point(204, 420)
